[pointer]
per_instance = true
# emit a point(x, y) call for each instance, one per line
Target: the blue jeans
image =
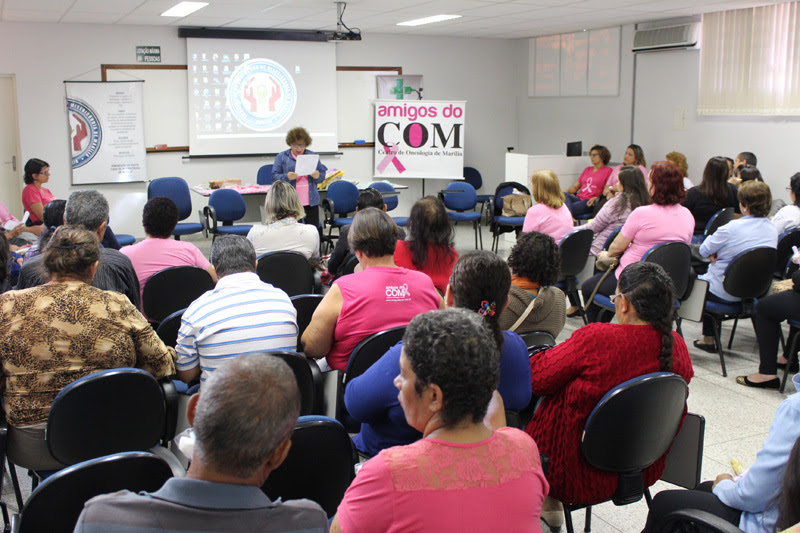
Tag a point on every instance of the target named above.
point(576, 206)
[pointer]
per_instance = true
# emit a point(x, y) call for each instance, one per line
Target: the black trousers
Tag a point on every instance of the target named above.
point(770, 312)
point(701, 498)
point(708, 323)
point(607, 288)
point(312, 214)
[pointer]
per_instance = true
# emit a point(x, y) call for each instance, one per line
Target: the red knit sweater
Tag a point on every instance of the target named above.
point(573, 376)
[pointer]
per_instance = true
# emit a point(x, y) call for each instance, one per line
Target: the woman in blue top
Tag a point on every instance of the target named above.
point(298, 140)
point(480, 281)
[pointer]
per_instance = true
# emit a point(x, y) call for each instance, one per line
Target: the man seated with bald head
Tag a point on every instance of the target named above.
point(243, 421)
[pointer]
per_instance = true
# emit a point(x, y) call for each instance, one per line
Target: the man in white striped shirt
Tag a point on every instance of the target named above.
point(241, 315)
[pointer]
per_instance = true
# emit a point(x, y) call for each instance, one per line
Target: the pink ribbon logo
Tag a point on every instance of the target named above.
point(391, 157)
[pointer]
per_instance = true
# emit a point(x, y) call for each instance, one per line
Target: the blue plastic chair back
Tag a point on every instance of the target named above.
point(176, 190)
point(390, 201)
point(228, 204)
point(611, 237)
point(463, 200)
point(344, 195)
point(473, 177)
point(264, 176)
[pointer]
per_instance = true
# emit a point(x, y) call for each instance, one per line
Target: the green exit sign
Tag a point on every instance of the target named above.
point(148, 54)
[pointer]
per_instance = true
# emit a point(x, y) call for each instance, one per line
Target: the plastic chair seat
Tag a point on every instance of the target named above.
point(510, 221)
point(239, 229)
point(125, 240)
point(342, 221)
point(724, 309)
point(187, 228)
point(466, 216)
point(401, 221)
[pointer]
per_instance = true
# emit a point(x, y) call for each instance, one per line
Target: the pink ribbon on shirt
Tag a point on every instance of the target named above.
point(391, 157)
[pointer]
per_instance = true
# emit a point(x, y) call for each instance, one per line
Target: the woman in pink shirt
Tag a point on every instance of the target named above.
point(665, 220)
point(34, 196)
point(550, 214)
point(463, 475)
point(584, 193)
point(634, 156)
point(380, 296)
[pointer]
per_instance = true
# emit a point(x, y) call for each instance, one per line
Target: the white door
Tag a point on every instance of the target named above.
point(10, 166)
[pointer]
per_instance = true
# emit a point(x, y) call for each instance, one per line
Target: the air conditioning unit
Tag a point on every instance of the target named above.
point(666, 38)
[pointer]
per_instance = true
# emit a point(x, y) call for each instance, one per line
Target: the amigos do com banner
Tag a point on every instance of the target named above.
point(419, 139)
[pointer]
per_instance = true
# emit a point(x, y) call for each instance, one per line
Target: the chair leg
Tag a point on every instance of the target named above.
point(648, 498)
point(783, 342)
point(718, 341)
point(733, 332)
point(792, 357)
point(475, 227)
point(678, 326)
point(12, 471)
point(587, 526)
point(568, 519)
point(480, 233)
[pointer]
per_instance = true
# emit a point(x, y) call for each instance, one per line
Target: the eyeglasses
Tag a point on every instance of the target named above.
point(594, 154)
point(298, 145)
point(615, 296)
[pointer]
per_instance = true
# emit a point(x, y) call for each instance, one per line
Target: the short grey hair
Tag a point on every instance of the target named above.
point(282, 202)
point(86, 208)
point(247, 407)
point(232, 254)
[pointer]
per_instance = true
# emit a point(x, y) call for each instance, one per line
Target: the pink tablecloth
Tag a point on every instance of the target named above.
point(243, 189)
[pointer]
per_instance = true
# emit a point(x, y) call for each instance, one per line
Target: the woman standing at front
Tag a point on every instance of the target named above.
point(299, 140)
point(34, 196)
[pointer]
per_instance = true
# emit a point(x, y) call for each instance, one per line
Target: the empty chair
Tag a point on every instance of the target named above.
point(288, 271)
point(172, 289)
point(319, 466)
point(630, 428)
point(305, 305)
point(390, 199)
point(167, 330)
point(461, 204)
point(305, 380)
point(339, 202)
point(537, 339)
point(264, 176)
point(473, 176)
point(500, 224)
point(56, 504)
point(225, 206)
point(177, 190)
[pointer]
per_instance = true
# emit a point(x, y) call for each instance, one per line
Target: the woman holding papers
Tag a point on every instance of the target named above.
point(298, 157)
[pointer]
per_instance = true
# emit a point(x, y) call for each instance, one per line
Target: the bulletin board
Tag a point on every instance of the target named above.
point(356, 88)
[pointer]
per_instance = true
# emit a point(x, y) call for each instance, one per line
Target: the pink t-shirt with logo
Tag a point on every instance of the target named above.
point(554, 222)
point(154, 255)
point(592, 182)
point(654, 224)
point(376, 299)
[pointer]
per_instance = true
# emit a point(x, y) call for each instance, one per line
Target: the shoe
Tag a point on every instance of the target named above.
point(577, 312)
point(771, 384)
point(710, 348)
point(553, 519)
point(795, 367)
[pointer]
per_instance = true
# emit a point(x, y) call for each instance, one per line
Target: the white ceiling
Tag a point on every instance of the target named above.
point(509, 19)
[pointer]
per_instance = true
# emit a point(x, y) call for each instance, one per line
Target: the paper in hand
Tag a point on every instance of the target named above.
point(306, 164)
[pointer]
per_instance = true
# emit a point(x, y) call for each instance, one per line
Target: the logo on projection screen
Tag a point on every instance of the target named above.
point(85, 132)
point(261, 94)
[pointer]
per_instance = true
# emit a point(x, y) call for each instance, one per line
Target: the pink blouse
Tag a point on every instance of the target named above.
point(592, 182)
point(554, 222)
point(32, 194)
point(654, 224)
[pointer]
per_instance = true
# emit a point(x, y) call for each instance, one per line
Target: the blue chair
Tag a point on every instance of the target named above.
point(749, 277)
point(125, 240)
point(176, 190)
point(265, 175)
point(390, 200)
point(473, 177)
point(718, 219)
point(461, 206)
point(225, 206)
point(339, 202)
point(498, 223)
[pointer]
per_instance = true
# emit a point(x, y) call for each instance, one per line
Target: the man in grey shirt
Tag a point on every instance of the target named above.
point(89, 209)
point(243, 421)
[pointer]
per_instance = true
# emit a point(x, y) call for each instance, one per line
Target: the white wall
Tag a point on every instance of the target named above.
point(42, 56)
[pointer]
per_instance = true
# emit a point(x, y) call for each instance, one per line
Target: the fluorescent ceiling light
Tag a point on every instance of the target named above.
point(183, 9)
point(428, 20)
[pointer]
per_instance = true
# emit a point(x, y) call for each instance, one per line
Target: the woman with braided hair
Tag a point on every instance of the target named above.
point(575, 374)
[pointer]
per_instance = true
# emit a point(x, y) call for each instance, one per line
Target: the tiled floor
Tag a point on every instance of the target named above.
point(737, 418)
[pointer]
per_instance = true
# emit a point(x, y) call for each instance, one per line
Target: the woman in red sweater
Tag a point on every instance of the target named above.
point(429, 248)
point(575, 374)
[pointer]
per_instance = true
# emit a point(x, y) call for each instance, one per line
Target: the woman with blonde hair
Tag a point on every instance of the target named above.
point(282, 231)
point(550, 214)
point(679, 160)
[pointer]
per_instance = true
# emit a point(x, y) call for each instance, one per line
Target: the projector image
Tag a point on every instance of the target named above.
point(344, 36)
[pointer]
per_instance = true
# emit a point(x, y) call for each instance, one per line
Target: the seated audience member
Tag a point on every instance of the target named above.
point(34, 195)
point(665, 220)
point(788, 217)
point(480, 284)
point(713, 193)
point(583, 194)
point(53, 217)
point(429, 248)
point(462, 475)
point(341, 254)
point(158, 250)
point(282, 231)
point(380, 297)
point(89, 209)
point(748, 173)
point(752, 230)
point(788, 510)
point(243, 421)
point(631, 192)
point(534, 304)
point(549, 215)
point(730, 166)
point(54, 334)
point(576, 373)
point(755, 500)
point(634, 157)
point(242, 314)
point(5, 266)
point(746, 158)
point(680, 161)
point(20, 234)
